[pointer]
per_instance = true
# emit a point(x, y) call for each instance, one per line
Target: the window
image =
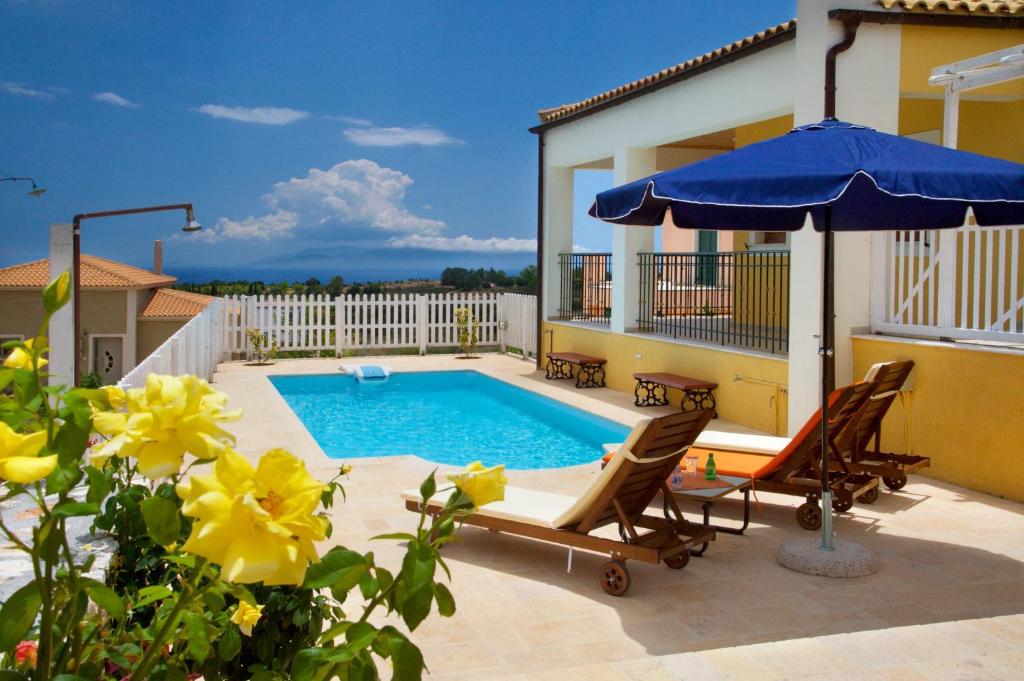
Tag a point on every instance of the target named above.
point(768, 241)
point(4, 337)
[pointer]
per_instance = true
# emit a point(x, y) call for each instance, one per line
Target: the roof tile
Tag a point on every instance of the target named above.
point(170, 303)
point(96, 273)
point(997, 7)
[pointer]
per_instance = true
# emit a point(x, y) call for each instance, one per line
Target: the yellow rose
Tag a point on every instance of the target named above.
point(168, 417)
point(115, 396)
point(22, 359)
point(246, 616)
point(19, 456)
point(481, 485)
point(258, 524)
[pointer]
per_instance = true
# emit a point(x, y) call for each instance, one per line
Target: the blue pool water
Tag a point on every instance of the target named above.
point(450, 417)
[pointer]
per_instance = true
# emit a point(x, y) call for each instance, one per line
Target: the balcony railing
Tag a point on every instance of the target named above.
point(586, 287)
point(738, 299)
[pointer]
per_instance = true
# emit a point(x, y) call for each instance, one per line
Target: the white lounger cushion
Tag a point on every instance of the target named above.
point(546, 509)
point(741, 442)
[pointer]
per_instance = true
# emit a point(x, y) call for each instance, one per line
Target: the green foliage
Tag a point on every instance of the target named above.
point(263, 349)
point(92, 379)
point(468, 329)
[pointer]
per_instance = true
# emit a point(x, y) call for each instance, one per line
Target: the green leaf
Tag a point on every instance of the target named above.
point(368, 586)
point(339, 568)
point(11, 675)
point(416, 606)
point(150, 594)
point(75, 508)
point(163, 522)
point(428, 487)
point(198, 641)
point(334, 632)
point(397, 536)
point(99, 486)
point(63, 477)
point(360, 635)
point(230, 644)
point(418, 566)
point(307, 663)
point(17, 615)
point(57, 293)
point(406, 659)
point(105, 597)
point(445, 600)
point(214, 601)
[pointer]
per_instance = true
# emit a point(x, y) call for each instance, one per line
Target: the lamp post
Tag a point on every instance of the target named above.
point(190, 226)
point(36, 189)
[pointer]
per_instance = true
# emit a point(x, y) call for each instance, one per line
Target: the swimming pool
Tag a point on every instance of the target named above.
point(449, 417)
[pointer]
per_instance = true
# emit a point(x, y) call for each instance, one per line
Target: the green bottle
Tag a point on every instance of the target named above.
point(709, 467)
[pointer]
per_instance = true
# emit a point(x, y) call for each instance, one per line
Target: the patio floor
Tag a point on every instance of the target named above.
point(948, 602)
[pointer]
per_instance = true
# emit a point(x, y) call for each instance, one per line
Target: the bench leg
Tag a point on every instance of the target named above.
point(558, 368)
point(650, 394)
point(699, 399)
point(590, 376)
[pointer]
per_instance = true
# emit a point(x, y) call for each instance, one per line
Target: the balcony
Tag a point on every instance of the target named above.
point(585, 287)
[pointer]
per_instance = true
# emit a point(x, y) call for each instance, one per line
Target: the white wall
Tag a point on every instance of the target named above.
point(62, 338)
point(867, 77)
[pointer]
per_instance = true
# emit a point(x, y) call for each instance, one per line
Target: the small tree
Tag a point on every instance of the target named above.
point(469, 330)
point(262, 350)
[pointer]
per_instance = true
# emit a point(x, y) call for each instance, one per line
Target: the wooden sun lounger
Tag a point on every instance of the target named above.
point(793, 466)
point(620, 495)
point(887, 379)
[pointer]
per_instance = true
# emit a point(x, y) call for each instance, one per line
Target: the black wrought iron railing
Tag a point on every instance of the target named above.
point(586, 287)
point(738, 299)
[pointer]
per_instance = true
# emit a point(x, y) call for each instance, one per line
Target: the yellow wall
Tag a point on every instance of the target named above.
point(749, 404)
point(21, 312)
point(760, 283)
point(922, 48)
point(102, 312)
point(990, 128)
point(152, 334)
point(966, 412)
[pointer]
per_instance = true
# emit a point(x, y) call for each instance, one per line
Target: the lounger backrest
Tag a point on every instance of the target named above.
point(635, 474)
point(887, 379)
point(803, 454)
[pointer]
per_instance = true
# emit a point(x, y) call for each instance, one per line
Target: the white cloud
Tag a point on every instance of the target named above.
point(277, 225)
point(115, 99)
point(23, 90)
point(373, 136)
point(349, 120)
point(263, 115)
point(465, 243)
point(355, 192)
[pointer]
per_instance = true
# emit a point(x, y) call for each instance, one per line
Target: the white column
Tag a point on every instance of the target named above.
point(558, 190)
point(631, 163)
point(868, 94)
point(62, 336)
point(131, 328)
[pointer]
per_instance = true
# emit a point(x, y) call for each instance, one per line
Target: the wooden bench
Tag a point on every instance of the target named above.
point(652, 390)
point(589, 375)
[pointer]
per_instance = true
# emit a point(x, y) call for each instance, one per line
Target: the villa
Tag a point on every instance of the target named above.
point(387, 395)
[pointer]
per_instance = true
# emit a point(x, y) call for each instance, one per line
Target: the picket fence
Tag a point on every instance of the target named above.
point(378, 322)
point(195, 348)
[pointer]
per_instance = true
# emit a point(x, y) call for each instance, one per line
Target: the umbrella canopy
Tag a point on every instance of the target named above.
point(872, 180)
point(847, 177)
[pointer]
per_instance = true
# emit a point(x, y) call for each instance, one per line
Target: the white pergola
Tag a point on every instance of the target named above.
point(971, 74)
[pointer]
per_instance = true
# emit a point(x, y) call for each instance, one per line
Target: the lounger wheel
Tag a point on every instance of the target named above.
point(808, 515)
point(895, 483)
point(615, 578)
point(869, 497)
point(678, 561)
point(842, 502)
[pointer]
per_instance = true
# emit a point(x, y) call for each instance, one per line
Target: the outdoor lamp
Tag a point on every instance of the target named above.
point(36, 189)
point(190, 222)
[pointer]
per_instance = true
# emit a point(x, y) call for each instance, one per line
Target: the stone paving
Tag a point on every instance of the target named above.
point(948, 602)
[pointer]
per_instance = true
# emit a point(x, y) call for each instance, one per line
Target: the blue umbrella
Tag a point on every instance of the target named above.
point(848, 177)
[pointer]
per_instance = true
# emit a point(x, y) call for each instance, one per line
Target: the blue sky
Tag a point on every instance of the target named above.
point(341, 137)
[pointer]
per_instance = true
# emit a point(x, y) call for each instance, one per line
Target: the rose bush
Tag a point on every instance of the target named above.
point(217, 571)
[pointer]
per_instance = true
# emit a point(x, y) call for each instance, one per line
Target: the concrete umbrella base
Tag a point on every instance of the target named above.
point(849, 559)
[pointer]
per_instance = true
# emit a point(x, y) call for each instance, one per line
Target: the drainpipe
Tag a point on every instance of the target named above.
point(850, 25)
point(540, 246)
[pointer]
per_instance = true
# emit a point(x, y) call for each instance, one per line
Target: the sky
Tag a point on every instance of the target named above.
point(349, 137)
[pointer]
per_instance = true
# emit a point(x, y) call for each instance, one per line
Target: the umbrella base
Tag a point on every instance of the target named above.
point(848, 559)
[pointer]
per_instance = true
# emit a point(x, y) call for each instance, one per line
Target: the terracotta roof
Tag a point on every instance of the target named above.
point(169, 303)
point(998, 8)
point(96, 273)
point(566, 110)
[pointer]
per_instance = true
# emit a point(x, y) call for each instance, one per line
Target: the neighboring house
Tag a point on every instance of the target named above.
point(718, 307)
point(126, 311)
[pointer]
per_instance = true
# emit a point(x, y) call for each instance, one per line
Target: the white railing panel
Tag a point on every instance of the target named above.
point(195, 348)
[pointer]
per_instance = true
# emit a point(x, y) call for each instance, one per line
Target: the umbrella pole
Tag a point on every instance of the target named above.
point(827, 374)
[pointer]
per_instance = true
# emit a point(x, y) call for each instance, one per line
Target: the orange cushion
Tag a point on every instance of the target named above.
point(739, 464)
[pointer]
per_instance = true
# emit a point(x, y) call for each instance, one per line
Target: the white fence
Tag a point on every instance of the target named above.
point(966, 283)
point(193, 349)
point(372, 322)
